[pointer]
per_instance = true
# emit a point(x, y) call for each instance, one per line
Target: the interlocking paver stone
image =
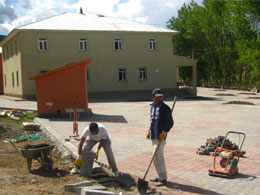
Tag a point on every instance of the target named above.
point(196, 120)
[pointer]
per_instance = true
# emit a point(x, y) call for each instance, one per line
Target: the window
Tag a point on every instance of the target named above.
point(122, 74)
point(42, 44)
point(5, 80)
point(118, 44)
point(142, 74)
point(15, 45)
point(152, 44)
point(83, 44)
point(43, 71)
point(88, 74)
point(7, 53)
point(11, 50)
point(3, 54)
point(13, 79)
point(17, 78)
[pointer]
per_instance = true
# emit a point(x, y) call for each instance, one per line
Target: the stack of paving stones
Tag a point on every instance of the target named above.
point(212, 144)
point(87, 187)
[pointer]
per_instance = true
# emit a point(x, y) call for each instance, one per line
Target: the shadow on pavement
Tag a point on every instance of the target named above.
point(165, 98)
point(199, 98)
point(106, 118)
point(188, 188)
point(94, 117)
point(243, 176)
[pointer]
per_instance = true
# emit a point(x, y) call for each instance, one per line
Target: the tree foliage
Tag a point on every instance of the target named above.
point(225, 37)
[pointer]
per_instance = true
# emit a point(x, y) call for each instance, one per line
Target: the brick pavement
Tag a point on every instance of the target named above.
point(195, 121)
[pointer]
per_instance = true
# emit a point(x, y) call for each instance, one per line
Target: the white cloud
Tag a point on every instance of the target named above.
point(154, 12)
point(97, 6)
point(5, 27)
point(130, 10)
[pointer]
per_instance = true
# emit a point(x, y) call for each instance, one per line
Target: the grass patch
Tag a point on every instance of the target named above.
point(28, 117)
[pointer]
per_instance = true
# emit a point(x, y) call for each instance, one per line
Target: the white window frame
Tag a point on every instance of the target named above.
point(122, 74)
point(142, 74)
point(152, 44)
point(83, 44)
point(118, 44)
point(42, 44)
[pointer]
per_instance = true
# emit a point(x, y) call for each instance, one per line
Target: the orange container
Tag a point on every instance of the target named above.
point(58, 90)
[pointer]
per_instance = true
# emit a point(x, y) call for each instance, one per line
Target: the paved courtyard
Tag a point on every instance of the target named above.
point(196, 120)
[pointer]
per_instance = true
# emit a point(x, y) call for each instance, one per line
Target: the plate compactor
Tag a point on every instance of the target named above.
point(228, 159)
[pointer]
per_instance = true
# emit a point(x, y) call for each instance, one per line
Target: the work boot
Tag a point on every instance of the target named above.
point(162, 183)
point(74, 170)
point(155, 180)
point(116, 174)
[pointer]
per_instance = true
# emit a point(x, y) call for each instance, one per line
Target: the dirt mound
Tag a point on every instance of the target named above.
point(16, 179)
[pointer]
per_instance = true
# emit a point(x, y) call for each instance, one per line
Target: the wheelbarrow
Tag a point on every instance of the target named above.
point(39, 152)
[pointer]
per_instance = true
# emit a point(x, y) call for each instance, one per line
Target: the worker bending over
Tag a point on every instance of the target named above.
point(96, 133)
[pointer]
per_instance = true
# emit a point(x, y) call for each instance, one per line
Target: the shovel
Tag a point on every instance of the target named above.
point(142, 185)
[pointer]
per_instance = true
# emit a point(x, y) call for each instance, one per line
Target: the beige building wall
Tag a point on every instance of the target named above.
point(12, 72)
point(63, 48)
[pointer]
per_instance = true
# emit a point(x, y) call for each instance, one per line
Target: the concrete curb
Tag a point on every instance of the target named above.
point(67, 148)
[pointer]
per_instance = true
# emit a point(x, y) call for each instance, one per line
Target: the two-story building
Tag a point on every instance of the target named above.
point(127, 57)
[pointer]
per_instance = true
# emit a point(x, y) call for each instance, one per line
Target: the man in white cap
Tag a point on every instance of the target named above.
point(161, 122)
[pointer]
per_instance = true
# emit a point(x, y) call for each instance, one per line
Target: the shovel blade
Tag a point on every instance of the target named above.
point(142, 186)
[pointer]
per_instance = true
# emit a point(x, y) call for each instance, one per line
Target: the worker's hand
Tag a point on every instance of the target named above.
point(78, 161)
point(96, 156)
point(148, 135)
point(162, 136)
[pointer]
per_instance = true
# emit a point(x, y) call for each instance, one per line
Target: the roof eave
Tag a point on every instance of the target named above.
point(9, 37)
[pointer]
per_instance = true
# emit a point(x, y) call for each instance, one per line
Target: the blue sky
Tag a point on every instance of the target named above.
point(15, 13)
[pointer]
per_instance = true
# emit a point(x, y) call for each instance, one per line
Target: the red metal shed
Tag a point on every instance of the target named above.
point(58, 90)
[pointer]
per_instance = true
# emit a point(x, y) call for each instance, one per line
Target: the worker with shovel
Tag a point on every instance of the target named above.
point(91, 135)
point(161, 122)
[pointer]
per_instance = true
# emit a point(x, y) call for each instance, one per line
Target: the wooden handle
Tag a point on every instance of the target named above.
point(174, 101)
point(151, 161)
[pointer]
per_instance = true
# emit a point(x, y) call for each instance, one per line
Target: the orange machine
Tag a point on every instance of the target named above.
point(228, 159)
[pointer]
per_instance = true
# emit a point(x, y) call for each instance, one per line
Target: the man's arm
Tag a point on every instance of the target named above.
point(168, 119)
point(101, 143)
point(82, 140)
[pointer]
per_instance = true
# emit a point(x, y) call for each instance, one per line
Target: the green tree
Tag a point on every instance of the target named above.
point(225, 37)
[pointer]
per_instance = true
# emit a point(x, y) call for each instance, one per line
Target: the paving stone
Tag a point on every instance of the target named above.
point(73, 187)
point(95, 192)
point(79, 189)
point(87, 165)
point(195, 122)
